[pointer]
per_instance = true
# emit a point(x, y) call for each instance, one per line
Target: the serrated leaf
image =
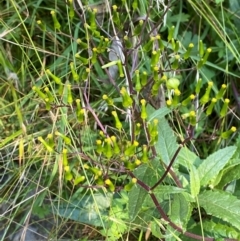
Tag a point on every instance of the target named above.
point(89, 209)
point(137, 194)
point(180, 210)
point(211, 166)
point(158, 114)
point(166, 145)
point(187, 158)
point(220, 230)
point(231, 174)
point(221, 205)
point(194, 181)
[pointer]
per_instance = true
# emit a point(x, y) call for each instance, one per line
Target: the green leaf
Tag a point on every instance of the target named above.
point(194, 181)
point(220, 230)
point(221, 205)
point(180, 210)
point(187, 158)
point(231, 174)
point(160, 113)
point(166, 145)
point(211, 166)
point(137, 194)
point(90, 209)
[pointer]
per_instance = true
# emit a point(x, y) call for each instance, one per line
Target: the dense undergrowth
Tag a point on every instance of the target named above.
point(119, 119)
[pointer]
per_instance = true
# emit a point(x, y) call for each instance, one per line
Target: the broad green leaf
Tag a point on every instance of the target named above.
point(211, 166)
point(194, 181)
point(180, 210)
point(160, 113)
point(88, 209)
point(137, 194)
point(166, 145)
point(231, 174)
point(221, 205)
point(187, 158)
point(220, 230)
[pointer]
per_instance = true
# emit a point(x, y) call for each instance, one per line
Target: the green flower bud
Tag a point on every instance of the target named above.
point(129, 186)
point(71, 10)
point(107, 99)
point(109, 183)
point(94, 55)
point(226, 134)
point(66, 139)
point(153, 131)
point(118, 123)
point(138, 86)
point(39, 92)
point(144, 78)
point(49, 94)
point(127, 42)
point(69, 94)
point(210, 107)
point(224, 109)
point(57, 25)
point(173, 43)
point(137, 129)
point(155, 57)
point(144, 158)
point(177, 46)
point(50, 140)
point(143, 110)
point(95, 171)
point(176, 100)
point(68, 176)
point(46, 145)
point(130, 151)
point(155, 73)
point(83, 60)
point(41, 25)
point(192, 116)
point(175, 62)
point(205, 58)
point(205, 97)
point(54, 77)
point(74, 73)
point(172, 83)
point(85, 74)
point(99, 149)
point(126, 99)
point(200, 64)
point(92, 18)
point(47, 104)
point(81, 115)
point(188, 100)
point(138, 28)
point(79, 179)
point(82, 44)
point(64, 157)
point(116, 148)
point(169, 102)
point(120, 68)
point(149, 45)
point(116, 18)
point(189, 50)
point(221, 92)
point(198, 86)
point(107, 148)
point(171, 33)
point(160, 42)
